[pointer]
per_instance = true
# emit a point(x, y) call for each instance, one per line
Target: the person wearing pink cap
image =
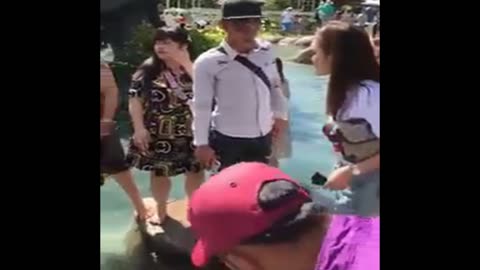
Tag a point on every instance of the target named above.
point(255, 217)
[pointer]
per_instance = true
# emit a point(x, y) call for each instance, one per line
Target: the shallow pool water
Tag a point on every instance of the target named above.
point(311, 152)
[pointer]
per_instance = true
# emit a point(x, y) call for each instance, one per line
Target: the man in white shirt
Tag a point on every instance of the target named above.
point(240, 80)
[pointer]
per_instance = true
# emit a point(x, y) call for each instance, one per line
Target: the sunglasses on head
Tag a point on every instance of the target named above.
point(331, 131)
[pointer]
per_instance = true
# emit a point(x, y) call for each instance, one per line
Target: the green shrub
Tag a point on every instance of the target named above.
point(135, 51)
point(203, 40)
point(277, 4)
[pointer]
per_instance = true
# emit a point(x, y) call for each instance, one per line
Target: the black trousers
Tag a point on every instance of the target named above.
point(232, 150)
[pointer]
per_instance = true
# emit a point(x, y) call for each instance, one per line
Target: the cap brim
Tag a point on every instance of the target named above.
point(200, 255)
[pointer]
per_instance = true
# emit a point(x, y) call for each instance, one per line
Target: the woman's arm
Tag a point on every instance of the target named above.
point(135, 109)
point(141, 137)
point(367, 165)
point(340, 178)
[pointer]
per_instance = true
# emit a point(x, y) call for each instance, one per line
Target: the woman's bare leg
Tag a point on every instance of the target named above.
point(125, 181)
point(160, 187)
point(193, 182)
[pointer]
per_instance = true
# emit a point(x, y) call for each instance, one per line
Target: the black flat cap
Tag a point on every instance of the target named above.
point(241, 9)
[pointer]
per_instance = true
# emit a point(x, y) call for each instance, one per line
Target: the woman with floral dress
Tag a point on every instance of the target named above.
point(159, 106)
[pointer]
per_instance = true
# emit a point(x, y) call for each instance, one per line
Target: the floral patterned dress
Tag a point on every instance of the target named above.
point(168, 119)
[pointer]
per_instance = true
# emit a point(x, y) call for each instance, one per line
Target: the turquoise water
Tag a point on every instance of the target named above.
point(311, 152)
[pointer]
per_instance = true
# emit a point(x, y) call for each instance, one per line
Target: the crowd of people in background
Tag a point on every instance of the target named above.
point(293, 22)
point(361, 16)
point(228, 113)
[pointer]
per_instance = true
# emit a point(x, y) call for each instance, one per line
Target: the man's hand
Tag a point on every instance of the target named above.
point(205, 155)
point(279, 126)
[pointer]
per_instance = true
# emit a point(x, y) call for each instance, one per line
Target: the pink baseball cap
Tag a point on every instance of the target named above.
point(225, 211)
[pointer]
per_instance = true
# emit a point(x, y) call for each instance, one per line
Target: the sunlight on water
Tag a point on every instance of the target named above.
point(311, 152)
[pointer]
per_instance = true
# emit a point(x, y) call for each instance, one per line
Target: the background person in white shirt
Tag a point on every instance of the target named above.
point(247, 112)
point(287, 20)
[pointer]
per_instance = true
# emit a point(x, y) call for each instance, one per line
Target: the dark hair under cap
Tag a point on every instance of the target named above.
point(241, 9)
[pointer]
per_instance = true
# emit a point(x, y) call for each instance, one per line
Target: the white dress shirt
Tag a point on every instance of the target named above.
point(245, 107)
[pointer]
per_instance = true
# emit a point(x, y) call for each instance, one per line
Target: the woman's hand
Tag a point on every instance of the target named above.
point(182, 56)
point(141, 139)
point(340, 178)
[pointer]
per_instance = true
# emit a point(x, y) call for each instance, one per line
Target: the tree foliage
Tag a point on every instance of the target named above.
point(277, 4)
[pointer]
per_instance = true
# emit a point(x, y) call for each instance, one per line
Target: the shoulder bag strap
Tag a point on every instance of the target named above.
point(251, 66)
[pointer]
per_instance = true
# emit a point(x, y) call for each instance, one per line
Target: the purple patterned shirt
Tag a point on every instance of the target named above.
point(351, 243)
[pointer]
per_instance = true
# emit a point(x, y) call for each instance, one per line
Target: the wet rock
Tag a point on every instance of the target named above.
point(274, 39)
point(287, 41)
point(166, 246)
point(304, 56)
point(304, 41)
point(173, 234)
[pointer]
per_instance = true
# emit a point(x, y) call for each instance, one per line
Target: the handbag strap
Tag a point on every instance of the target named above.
point(251, 66)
